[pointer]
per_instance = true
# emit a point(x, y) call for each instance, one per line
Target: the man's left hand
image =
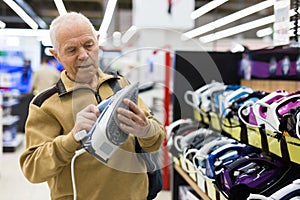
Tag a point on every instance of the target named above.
point(133, 120)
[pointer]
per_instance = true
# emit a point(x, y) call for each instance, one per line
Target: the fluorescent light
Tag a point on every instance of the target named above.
point(268, 31)
point(21, 13)
point(110, 8)
point(237, 29)
point(241, 28)
point(228, 19)
point(60, 7)
point(206, 8)
point(128, 34)
point(291, 32)
point(2, 24)
point(264, 32)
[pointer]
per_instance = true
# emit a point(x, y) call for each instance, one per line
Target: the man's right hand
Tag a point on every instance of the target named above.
point(85, 119)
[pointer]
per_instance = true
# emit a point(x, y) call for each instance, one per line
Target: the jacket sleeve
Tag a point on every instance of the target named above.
point(47, 151)
point(155, 135)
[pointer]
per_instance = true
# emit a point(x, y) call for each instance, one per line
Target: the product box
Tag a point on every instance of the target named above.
point(197, 115)
point(273, 143)
point(183, 163)
point(211, 189)
point(201, 181)
point(254, 137)
point(10, 127)
point(176, 161)
point(215, 121)
point(187, 193)
point(222, 197)
point(191, 168)
point(232, 128)
point(293, 145)
point(205, 119)
point(191, 195)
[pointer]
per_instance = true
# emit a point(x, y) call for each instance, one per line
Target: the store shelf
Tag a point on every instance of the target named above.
point(9, 137)
point(11, 146)
point(188, 180)
point(10, 120)
point(10, 103)
point(271, 85)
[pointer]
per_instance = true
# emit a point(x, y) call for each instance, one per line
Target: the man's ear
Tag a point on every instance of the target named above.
point(53, 52)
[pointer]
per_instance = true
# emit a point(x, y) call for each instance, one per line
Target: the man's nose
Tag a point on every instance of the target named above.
point(83, 54)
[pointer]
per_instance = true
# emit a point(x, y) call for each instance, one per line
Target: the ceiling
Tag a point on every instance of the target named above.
point(45, 10)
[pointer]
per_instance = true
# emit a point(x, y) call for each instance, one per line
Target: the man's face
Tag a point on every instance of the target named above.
point(78, 51)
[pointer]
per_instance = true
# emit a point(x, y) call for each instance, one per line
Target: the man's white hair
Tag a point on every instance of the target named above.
point(62, 20)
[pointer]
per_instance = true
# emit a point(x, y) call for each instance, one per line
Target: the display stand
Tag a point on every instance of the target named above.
point(10, 139)
point(1, 133)
point(190, 68)
point(180, 177)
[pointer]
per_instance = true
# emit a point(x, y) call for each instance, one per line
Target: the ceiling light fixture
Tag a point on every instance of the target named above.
point(241, 28)
point(264, 32)
point(228, 19)
point(129, 34)
point(291, 32)
point(60, 7)
point(268, 31)
point(27, 8)
point(13, 5)
point(206, 8)
point(109, 11)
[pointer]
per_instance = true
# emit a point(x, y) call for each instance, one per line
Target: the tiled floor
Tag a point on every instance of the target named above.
point(13, 185)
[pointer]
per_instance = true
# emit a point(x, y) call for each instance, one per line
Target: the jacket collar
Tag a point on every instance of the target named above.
point(66, 85)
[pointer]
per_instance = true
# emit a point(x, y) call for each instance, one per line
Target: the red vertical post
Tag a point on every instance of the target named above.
point(167, 100)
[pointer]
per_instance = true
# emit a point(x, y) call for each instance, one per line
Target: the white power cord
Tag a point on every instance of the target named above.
point(77, 153)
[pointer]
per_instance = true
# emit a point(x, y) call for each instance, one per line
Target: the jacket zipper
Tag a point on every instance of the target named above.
point(98, 98)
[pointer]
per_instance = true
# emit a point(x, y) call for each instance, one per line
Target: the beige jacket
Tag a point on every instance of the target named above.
point(50, 148)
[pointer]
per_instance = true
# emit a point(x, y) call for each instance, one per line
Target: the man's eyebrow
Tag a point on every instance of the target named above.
point(89, 40)
point(67, 48)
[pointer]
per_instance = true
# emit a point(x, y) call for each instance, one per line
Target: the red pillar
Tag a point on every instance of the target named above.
point(167, 100)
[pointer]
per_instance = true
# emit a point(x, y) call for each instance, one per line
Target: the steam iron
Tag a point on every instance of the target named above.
point(259, 115)
point(202, 154)
point(193, 98)
point(281, 107)
point(220, 97)
point(225, 155)
point(278, 108)
point(105, 137)
point(250, 174)
point(242, 107)
point(233, 96)
point(288, 192)
point(206, 96)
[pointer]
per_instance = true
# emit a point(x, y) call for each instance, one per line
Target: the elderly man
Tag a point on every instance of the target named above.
point(58, 114)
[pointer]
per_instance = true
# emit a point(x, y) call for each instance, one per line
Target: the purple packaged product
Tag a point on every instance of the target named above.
point(262, 111)
point(254, 174)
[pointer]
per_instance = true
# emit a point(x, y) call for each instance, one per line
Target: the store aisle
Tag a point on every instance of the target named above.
point(13, 185)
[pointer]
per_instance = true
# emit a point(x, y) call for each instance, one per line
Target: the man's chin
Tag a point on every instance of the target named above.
point(85, 78)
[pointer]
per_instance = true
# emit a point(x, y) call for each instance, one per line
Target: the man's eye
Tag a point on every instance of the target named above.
point(71, 50)
point(89, 45)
